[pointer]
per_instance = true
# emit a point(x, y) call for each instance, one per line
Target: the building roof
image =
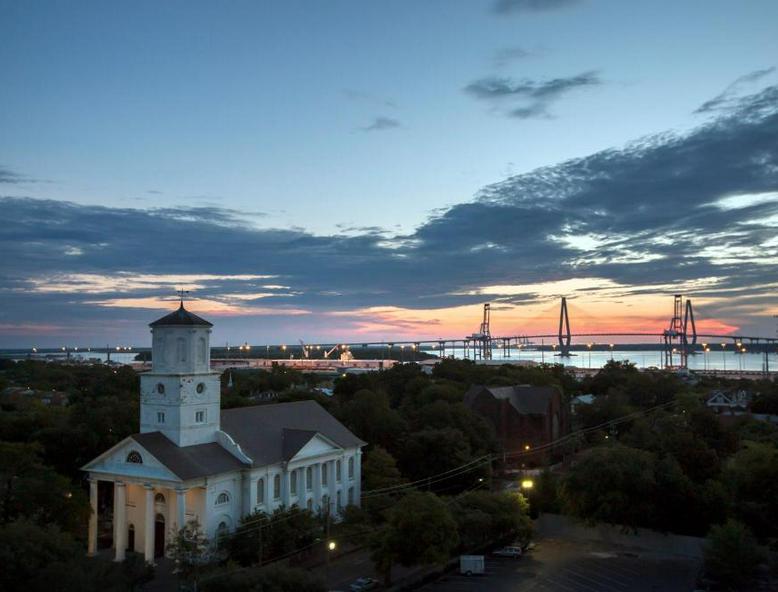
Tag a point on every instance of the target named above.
point(526, 399)
point(181, 317)
point(188, 462)
point(276, 432)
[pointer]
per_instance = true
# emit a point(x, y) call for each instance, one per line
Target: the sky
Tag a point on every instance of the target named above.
point(344, 171)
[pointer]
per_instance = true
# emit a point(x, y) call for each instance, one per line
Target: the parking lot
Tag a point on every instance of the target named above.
point(572, 566)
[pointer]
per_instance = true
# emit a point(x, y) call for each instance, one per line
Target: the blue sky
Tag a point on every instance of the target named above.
point(356, 125)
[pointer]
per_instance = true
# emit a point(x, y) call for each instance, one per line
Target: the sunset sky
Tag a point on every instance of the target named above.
point(344, 171)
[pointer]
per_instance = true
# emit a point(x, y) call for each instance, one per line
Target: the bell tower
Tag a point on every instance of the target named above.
point(180, 396)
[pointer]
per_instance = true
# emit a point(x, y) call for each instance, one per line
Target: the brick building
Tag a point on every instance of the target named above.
point(522, 415)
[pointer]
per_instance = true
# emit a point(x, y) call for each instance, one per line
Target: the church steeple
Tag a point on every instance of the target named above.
point(180, 397)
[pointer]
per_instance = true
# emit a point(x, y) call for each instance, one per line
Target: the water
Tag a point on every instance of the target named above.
point(713, 360)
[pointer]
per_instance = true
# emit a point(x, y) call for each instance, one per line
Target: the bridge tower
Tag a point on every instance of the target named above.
point(565, 336)
point(681, 337)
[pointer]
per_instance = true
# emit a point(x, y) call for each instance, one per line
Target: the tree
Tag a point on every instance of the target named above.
point(379, 470)
point(369, 416)
point(190, 552)
point(612, 484)
point(484, 517)
point(732, 555)
point(752, 474)
point(269, 579)
point(420, 530)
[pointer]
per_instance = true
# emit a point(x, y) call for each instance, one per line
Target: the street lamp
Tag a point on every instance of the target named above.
point(589, 345)
point(611, 347)
point(527, 484)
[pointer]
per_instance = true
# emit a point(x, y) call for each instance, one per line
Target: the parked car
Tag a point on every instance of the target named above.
point(361, 584)
point(471, 564)
point(508, 552)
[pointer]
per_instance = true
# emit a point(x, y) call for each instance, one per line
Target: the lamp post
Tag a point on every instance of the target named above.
point(724, 355)
point(611, 348)
point(589, 345)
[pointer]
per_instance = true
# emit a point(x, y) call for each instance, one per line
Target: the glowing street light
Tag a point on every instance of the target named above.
point(331, 546)
point(527, 484)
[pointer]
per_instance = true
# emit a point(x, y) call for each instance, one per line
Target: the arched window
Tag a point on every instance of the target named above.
point(159, 499)
point(261, 491)
point(201, 350)
point(337, 470)
point(277, 487)
point(222, 498)
point(351, 467)
point(135, 457)
point(180, 350)
point(350, 496)
point(309, 478)
point(293, 483)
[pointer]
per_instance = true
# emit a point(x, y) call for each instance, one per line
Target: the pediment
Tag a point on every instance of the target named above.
point(317, 445)
point(115, 461)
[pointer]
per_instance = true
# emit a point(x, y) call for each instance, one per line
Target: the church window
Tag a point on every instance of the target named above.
point(160, 417)
point(160, 388)
point(340, 502)
point(222, 528)
point(201, 388)
point(337, 471)
point(277, 487)
point(135, 457)
point(159, 499)
point(222, 498)
point(181, 349)
point(261, 491)
point(199, 416)
point(201, 350)
point(351, 467)
point(293, 482)
point(350, 496)
point(309, 478)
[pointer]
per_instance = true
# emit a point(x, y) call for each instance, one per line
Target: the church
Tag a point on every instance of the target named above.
point(194, 461)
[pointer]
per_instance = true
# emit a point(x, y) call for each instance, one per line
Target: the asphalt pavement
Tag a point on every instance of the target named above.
point(571, 566)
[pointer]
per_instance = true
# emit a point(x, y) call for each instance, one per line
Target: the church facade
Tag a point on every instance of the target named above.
point(194, 461)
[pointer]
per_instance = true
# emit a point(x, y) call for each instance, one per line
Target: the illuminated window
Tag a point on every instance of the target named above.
point(135, 457)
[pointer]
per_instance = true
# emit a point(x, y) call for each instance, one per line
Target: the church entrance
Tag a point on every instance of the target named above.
point(131, 538)
point(159, 536)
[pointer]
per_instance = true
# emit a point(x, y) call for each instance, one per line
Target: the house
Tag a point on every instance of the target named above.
point(735, 403)
point(524, 417)
point(195, 461)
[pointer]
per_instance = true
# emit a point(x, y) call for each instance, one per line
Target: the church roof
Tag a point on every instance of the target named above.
point(188, 462)
point(181, 317)
point(276, 432)
point(525, 399)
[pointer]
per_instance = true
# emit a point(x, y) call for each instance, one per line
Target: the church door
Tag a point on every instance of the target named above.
point(131, 538)
point(159, 536)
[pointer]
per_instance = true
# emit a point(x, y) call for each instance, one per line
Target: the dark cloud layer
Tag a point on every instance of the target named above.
point(651, 213)
point(528, 98)
point(519, 6)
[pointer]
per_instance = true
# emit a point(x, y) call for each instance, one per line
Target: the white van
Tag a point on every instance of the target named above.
point(470, 565)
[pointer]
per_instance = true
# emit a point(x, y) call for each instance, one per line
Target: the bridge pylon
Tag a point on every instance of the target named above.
point(565, 336)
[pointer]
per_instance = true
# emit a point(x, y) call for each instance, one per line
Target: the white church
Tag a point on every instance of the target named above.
point(194, 461)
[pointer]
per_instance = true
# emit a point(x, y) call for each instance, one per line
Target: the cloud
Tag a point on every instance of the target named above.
point(696, 211)
point(505, 56)
point(533, 97)
point(524, 6)
point(8, 176)
point(730, 94)
point(382, 123)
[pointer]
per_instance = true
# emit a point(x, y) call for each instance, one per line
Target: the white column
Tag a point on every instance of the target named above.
point(285, 488)
point(358, 477)
point(92, 547)
point(332, 487)
point(317, 486)
point(149, 526)
point(119, 519)
point(180, 508)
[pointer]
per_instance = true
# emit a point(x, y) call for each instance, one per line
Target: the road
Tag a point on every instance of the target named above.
point(571, 566)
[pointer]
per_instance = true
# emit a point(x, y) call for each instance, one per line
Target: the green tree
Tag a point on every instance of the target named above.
point(752, 474)
point(732, 555)
point(191, 552)
point(379, 470)
point(369, 416)
point(268, 579)
point(612, 484)
point(484, 517)
point(420, 530)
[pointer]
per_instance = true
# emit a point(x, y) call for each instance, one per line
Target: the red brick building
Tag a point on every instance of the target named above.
point(522, 415)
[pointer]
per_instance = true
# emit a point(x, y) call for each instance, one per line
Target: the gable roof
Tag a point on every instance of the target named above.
point(525, 399)
point(181, 317)
point(189, 462)
point(276, 432)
